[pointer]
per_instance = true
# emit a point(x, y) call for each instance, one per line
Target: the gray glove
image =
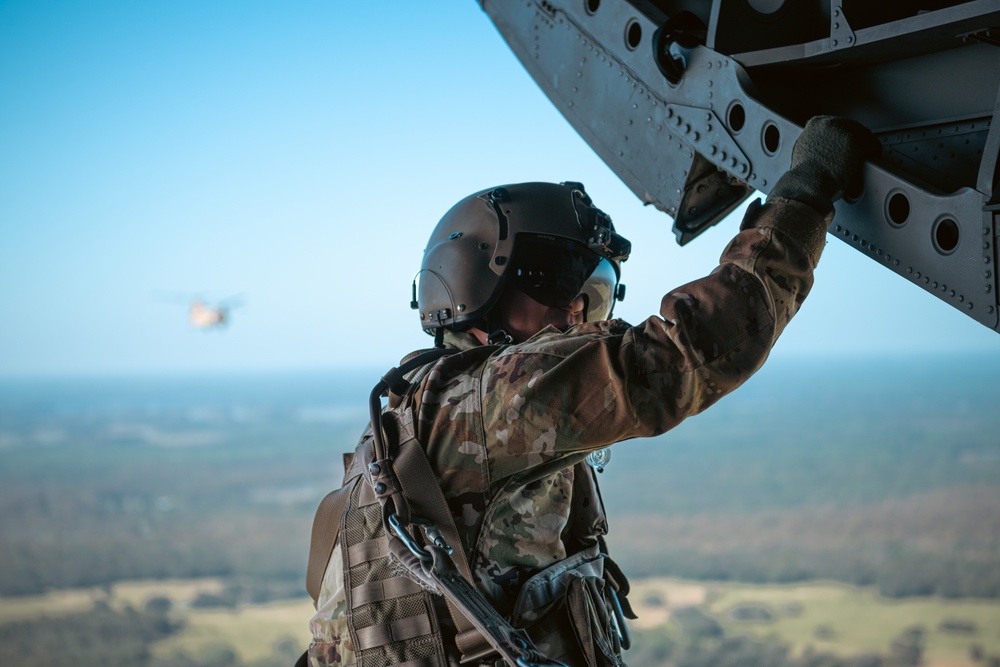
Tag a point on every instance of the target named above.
point(826, 161)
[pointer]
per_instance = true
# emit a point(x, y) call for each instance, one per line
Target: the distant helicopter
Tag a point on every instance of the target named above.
point(203, 314)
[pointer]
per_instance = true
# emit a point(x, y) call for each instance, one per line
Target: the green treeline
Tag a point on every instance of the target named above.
point(803, 473)
point(33, 568)
point(702, 642)
point(809, 473)
point(92, 513)
point(109, 637)
point(894, 485)
point(893, 572)
point(97, 638)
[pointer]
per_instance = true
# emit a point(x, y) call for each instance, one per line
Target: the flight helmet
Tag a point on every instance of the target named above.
point(548, 239)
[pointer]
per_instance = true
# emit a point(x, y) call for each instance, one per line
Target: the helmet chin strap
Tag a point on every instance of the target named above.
point(492, 326)
point(500, 337)
point(496, 334)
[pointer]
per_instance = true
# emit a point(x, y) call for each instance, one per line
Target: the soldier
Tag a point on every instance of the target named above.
point(530, 378)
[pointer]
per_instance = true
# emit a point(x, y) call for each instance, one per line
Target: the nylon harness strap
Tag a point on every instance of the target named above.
point(326, 527)
point(407, 486)
point(326, 524)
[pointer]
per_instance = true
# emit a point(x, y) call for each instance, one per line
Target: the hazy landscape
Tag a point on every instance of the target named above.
point(829, 512)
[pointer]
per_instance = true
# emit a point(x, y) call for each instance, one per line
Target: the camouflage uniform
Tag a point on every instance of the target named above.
point(529, 412)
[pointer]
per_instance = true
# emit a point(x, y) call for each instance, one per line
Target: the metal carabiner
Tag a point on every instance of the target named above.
point(407, 539)
point(433, 534)
point(624, 636)
point(534, 658)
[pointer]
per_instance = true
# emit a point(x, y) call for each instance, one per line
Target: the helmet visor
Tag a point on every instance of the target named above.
point(599, 292)
point(554, 271)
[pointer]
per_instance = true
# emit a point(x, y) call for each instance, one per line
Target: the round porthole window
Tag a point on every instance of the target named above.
point(946, 235)
point(897, 209)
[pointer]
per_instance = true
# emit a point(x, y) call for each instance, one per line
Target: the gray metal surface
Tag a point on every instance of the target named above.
point(923, 75)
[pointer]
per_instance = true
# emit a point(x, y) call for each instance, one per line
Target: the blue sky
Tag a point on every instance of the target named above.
point(298, 155)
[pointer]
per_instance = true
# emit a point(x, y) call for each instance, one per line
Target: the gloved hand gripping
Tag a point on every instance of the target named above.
point(826, 162)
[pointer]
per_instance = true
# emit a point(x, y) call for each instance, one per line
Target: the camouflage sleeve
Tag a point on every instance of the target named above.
point(605, 382)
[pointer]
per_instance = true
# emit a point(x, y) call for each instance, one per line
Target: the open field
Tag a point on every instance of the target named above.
point(277, 631)
point(827, 617)
point(120, 595)
point(894, 484)
point(819, 616)
point(118, 494)
point(255, 633)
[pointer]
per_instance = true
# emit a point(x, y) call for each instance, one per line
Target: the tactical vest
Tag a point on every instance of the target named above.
point(411, 599)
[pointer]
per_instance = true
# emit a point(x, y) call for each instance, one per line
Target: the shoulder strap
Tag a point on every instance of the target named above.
point(396, 467)
point(411, 497)
point(436, 556)
point(326, 524)
point(326, 528)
